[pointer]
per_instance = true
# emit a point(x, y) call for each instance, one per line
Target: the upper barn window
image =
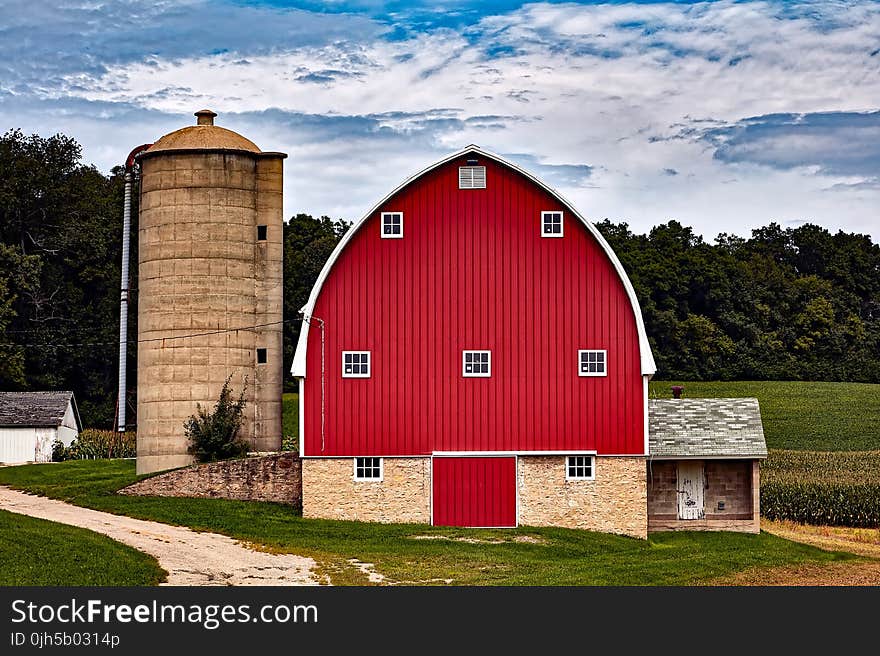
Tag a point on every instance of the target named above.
point(472, 177)
point(392, 225)
point(551, 224)
point(592, 363)
point(355, 364)
point(476, 364)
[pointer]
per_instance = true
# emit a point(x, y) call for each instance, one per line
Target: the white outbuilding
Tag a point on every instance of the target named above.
point(30, 422)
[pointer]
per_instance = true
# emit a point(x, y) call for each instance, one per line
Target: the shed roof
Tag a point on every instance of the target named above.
point(706, 428)
point(35, 409)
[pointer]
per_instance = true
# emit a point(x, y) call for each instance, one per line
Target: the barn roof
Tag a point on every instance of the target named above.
point(35, 409)
point(298, 368)
point(706, 428)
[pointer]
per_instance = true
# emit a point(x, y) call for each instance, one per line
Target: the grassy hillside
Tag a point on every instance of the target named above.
point(37, 552)
point(802, 416)
point(418, 554)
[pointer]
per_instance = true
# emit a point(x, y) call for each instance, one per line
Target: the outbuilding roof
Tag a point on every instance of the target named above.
point(706, 428)
point(35, 409)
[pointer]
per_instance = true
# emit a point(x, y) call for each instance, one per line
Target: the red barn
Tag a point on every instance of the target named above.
point(473, 354)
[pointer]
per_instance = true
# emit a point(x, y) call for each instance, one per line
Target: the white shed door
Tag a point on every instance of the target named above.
point(690, 489)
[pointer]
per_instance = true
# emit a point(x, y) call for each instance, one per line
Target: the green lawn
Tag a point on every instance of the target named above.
point(423, 554)
point(802, 416)
point(37, 552)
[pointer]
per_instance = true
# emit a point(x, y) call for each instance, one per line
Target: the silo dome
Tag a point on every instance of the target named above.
point(210, 287)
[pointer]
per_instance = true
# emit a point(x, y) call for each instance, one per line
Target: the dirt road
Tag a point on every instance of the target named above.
point(190, 558)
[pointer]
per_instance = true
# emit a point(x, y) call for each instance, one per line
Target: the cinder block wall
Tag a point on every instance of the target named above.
point(615, 502)
point(403, 495)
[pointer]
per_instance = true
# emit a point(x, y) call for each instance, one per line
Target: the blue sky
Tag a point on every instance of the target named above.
point(723, 115)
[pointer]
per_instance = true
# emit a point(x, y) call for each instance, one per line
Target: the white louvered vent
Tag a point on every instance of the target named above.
point(472, 177)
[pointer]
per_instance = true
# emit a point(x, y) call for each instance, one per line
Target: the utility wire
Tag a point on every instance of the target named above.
point(152, 339)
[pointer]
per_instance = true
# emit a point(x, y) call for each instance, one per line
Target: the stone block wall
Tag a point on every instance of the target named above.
point(276, 477)
point(614, 502)
point(403, 495)
point(736, 483)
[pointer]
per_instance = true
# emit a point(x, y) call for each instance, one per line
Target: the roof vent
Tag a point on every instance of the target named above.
point(472, 177)
point(205, 117)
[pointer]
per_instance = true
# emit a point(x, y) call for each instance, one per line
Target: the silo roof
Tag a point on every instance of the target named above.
point(204, 136)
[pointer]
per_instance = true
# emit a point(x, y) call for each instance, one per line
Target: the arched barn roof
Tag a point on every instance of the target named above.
point(646, 357)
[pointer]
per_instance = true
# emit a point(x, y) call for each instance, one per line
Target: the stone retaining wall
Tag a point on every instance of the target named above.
point(276, 477)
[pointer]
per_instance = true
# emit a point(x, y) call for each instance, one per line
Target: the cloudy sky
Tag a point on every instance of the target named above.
point(723, 115)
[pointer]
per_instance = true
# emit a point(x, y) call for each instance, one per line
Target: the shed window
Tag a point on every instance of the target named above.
point(592, 363)
point(355, 364)
point(262, 233)
point(392, 225)
point(262, 356)
point(472, 177)
point(579, 468)
point(368, 469)
point(551, 224)
point(476, 364)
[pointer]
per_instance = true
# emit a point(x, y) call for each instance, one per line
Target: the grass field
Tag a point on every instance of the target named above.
point(802, 416)
point(37, 552)
point(290, 420)
point(424, 554)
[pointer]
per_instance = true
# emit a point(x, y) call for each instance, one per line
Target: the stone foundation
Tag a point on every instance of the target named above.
point(614, 502)
point(403, 495)
point(275, 477)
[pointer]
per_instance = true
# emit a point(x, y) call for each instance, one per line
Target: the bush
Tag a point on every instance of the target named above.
point(91, 444)
point(214, 435)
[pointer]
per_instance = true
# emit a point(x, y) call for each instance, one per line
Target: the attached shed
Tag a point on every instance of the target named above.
point(704, 467)
point(30, 422)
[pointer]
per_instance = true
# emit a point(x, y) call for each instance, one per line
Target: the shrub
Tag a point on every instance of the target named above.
point(92, 443)
point(214, 435)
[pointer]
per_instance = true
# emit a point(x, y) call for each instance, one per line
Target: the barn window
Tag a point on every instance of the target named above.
point(355, 364)
point(368, 469)
point(262, 356)
point(262, 233)
point(579, 468)
point(392, 225)
point(551, 224)
point(472, 177)
point(476, 364)
point(592, 363)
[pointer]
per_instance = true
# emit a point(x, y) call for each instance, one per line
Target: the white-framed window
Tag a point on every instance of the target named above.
point(580, 468)
point(472, 177)
point(392, 225)
point(476, 364)
point(355, 364)
point(551, 224)
point(368, 469)
point(592, 362)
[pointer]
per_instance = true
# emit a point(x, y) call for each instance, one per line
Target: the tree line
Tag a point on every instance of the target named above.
point(785, 303)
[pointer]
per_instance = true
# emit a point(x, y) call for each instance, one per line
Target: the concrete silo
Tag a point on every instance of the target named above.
point(210, 287)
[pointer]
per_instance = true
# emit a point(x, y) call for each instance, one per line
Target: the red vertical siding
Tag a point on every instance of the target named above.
point(473, 491)
point(473, 272)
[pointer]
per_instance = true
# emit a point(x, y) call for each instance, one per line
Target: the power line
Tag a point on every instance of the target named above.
point(152, 339)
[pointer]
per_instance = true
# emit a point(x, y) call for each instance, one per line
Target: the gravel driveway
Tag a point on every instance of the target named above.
point(190, 558)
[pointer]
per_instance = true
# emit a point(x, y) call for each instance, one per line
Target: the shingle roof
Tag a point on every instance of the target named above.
point(691, 428)
point(34, 409)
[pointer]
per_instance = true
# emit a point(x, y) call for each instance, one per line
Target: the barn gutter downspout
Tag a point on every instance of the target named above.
point(130, 173)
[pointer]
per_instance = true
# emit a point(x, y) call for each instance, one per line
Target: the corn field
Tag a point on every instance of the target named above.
point(92, 444)
point(834, 489)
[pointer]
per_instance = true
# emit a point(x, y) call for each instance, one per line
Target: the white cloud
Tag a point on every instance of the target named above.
point(608, 86)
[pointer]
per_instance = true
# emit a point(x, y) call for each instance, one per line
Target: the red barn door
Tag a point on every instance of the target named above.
point(474, 491)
